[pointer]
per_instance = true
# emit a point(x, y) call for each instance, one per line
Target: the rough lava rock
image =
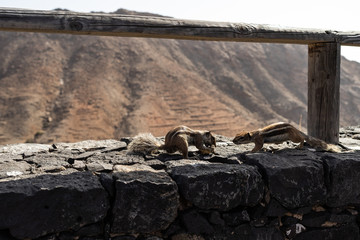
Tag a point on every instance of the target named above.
point(196, 223)
point(96, 190)
point(146, 200)
point(300, 172)
point(345, 232)
point(342, 178)
point(217, 186)
point(34, 206)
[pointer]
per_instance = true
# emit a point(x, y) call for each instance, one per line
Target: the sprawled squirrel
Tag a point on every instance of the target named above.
point(177, 139)
point(281, 132)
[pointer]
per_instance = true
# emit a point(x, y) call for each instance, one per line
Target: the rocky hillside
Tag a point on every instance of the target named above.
point(70, 88)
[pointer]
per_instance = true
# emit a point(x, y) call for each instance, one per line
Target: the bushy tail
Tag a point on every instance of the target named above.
point(144, 143)
point(321, 145)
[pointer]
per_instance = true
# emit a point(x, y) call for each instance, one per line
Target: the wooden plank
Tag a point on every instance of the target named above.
point(324, 91)
point(349, 38)
point(159, 27)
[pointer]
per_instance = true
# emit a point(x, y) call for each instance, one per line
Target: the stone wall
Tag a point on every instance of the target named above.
point(94, 190)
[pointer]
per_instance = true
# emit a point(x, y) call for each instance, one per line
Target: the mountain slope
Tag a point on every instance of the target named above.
point(70, 88)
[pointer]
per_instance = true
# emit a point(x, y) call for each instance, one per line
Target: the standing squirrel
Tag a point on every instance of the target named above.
point(281, 132)
point(177, 139)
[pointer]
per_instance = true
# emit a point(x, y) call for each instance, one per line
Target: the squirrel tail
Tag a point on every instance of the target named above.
point(144, 143)
point(321, 145)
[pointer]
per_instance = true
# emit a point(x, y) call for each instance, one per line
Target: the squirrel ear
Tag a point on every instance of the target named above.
point(213, 140)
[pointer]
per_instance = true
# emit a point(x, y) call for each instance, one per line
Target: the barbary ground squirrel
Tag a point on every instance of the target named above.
point(278, 133)
point(177, 139)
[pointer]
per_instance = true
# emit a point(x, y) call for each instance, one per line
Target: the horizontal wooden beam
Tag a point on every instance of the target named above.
point(162, 27)
point(349, 38)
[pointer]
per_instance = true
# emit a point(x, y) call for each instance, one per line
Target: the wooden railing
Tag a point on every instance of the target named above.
point(323, 45)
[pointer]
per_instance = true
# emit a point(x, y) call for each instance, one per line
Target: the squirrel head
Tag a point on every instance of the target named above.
point(209, 139)
point(242, 138)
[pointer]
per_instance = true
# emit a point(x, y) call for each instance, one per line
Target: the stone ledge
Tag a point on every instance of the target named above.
point(95, 190)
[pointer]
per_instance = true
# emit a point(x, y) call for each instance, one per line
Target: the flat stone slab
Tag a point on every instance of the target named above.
point(91, 145)
point(28, 148)
point(11, 168)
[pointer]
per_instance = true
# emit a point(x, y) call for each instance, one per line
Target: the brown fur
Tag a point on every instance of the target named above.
point(278, 133)
point(177, 139)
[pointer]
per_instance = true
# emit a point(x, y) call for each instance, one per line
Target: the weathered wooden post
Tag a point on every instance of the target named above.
point(324, 91)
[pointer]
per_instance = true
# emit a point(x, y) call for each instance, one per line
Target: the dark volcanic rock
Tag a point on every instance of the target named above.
point(90, 230)
point(146, 200)
point(274, 208)
point(196, 223)
point(217, 186)
point(315, 219)
point(236, 218)
point(216, 219)
point(245, 231)
point(309, 195)
point(5, 235)
point(267, 233)
point(299, 172)
point(155, 164)
point(345, 232)
point(42, 204)
point(342, 178)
